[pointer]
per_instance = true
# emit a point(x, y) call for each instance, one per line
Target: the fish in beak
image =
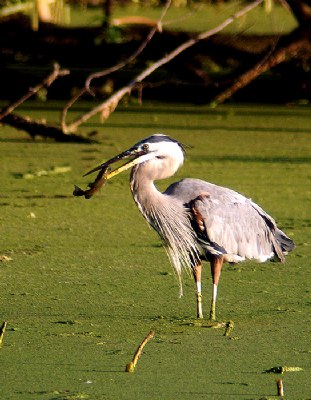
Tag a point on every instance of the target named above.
point(106, 173)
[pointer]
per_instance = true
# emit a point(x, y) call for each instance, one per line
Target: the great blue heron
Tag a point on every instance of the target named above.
point(196, 220)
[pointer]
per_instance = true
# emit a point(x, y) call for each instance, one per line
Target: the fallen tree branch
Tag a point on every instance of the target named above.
point(108, 106)
point(37, 128)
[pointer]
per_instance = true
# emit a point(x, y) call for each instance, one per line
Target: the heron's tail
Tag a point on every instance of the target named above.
point(284, 241)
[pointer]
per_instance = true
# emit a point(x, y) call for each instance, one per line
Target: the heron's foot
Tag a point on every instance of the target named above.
point(199, 306)
point(212, 323)
point(212, 318)
point(212, 315)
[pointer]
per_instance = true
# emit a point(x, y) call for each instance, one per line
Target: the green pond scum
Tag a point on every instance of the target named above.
point(82, 282)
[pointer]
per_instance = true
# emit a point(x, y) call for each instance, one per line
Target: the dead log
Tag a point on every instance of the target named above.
point(37, 128)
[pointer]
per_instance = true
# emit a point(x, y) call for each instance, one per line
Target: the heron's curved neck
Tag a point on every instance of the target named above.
point(145, 194)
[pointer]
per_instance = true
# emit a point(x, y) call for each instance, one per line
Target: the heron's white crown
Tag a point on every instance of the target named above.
point(159, 146)
point(160, 155)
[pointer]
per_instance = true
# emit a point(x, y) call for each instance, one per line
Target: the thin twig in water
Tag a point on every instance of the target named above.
point(131, 366)
point(229, 328)
point(2, 331)
point(280, 387)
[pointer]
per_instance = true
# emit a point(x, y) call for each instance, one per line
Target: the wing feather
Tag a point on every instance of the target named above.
point(228, 223)
point(233, 226)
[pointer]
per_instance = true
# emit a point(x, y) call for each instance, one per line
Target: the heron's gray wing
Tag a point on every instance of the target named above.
point(285, 243)
point(226, 222)
point(229, 224)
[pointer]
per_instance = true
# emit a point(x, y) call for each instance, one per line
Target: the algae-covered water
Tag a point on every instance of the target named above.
point(83, 282)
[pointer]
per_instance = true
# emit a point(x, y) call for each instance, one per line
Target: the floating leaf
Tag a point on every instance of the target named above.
point(43, 172)
point(5, 258)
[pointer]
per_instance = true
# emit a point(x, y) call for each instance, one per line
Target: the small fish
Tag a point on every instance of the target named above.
point(93, 186)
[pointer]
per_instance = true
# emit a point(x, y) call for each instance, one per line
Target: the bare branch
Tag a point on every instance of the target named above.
point(71, 102)
point(285, 49)
point(108, 106)
point(156, 28)
point(56, 73)
point(301, 10)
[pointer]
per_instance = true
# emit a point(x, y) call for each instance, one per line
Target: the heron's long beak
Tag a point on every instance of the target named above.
point(123, 167)
point(106, 164)
point(126, 154)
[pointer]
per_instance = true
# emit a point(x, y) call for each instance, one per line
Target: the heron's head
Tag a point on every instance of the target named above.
point(158, 156)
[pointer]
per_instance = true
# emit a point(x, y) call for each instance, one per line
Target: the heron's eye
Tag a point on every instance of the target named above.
point(145, 147)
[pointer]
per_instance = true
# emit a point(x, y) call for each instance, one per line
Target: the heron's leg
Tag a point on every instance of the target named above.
point(216, 265)
point(197, 272)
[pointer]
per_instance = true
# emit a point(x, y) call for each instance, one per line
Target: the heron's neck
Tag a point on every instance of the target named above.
point(146, 195)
